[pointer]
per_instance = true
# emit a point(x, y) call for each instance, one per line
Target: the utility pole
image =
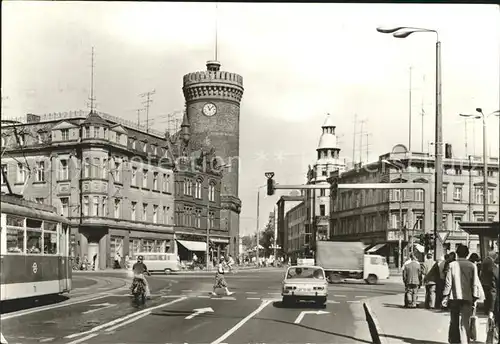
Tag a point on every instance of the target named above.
point(147, 104)
point(409, 114)
point(422, 114)
point(354, 140)
point(139, 117)
point(367, 135)
point(361, 133)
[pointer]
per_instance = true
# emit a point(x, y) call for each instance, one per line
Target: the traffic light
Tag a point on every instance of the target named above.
point(448, 154)
point(270, 183)
point(431, 240)
point(422, 239)
point(334, 186)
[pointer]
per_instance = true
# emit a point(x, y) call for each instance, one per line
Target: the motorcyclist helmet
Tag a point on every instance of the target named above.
point(140, 258)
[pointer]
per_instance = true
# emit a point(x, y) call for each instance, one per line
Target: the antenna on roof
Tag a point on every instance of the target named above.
point(216, 28)
point(92, 99)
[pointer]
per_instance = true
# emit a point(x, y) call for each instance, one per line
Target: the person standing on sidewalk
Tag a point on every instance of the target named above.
point(487, 280)
point(462, 288)
point(431, 275)
point(412, 278)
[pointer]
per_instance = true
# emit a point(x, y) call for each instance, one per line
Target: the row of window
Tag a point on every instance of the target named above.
point(350, 200)
point(191, 217)
point(98, 206)
point(98, 168)
point(25, 235)
point(195, 189)
point(372, 223)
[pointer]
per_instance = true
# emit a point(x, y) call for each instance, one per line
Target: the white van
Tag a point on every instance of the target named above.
point(156, 261)
point(375, 268)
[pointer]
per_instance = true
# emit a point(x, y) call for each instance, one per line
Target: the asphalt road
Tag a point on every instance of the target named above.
point(253, 314)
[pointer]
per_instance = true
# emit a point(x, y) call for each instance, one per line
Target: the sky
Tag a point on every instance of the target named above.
point(298, 62)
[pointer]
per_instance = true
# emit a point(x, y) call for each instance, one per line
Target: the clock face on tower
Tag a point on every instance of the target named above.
point(209, 109)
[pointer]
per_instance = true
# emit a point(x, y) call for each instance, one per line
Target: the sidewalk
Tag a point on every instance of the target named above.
point(417, 326)
point(181, 272)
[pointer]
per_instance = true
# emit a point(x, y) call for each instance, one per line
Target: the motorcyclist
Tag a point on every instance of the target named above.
point(139, 270)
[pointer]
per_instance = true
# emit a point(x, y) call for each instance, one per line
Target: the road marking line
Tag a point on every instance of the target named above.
point(332, 301)
point(242, 322)
point(49, 307)
point(83, 339)
point(224, 298)
point(339, 295)
point(360, 296)
point(113, 322)
point(171, 296)
point(250, 292)
point(203, 296)
point(274, 293)
point(127, 322)
point(353, 301)
point(253, 298)
point(47, 340)
point(186, 290)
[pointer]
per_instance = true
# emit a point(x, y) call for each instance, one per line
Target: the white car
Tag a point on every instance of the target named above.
point(305, 282)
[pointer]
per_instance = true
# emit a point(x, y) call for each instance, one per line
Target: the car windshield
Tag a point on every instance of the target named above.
point(301, 272)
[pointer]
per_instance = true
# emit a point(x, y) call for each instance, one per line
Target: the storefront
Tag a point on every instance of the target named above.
point(488, 232)
point(100, 244)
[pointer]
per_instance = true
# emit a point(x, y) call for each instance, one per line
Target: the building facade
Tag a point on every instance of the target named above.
point(114, 180)
point(309, 221)
point(197, 197)
point(213, 100)
point(372, 216)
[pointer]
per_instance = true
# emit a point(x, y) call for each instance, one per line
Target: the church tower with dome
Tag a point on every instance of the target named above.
point(328, 160)
point(213, 100)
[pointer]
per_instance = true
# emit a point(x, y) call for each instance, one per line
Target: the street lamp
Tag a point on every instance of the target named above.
point(400, 249)
point(485, 157)
point(257, 229)
point(403, 32)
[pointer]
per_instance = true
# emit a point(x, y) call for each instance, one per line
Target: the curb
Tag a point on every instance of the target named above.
point(2, 339)
point(378, 335)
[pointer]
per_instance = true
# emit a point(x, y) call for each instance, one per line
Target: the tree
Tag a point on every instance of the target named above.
point(267, 237)
point(248, 242)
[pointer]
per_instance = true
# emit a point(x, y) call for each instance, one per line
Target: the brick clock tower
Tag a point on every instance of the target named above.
point(213, 107)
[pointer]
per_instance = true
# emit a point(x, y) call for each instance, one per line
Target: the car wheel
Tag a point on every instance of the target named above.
point(287, 300)
point(167, 271)
point(320, 301)
point(372, 279)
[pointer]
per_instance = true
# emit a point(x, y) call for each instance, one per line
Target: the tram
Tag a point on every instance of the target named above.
point(34, 250)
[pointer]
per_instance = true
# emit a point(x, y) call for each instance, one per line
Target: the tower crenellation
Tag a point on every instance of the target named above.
point(213, 83)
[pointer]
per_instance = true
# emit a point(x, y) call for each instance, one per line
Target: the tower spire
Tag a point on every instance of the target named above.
point(216, 28)
point(92, 99)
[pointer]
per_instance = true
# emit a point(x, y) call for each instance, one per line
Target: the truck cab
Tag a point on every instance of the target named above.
point(375, 268)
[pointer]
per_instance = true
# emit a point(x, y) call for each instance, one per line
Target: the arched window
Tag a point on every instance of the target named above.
point(198, 188)
point(211, 192)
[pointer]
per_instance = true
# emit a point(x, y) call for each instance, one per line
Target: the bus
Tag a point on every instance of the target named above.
point(156, 262)
point(34, 250)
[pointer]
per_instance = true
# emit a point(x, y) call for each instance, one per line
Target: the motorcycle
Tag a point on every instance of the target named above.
point(138, 290)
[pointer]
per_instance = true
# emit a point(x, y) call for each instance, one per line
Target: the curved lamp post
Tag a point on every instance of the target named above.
point(485, 157)
point(403, 32)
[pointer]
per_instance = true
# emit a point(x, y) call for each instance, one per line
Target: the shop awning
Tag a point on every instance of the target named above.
point(375, 248)
point(197, 246)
